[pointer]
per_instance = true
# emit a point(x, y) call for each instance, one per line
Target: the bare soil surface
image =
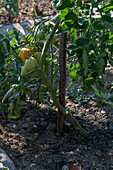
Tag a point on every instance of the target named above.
point(31, 141)
point(43, 8)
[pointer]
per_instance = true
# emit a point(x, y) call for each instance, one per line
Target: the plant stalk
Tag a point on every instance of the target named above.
point(56, 102)
point(52, 88)
point(47, 44)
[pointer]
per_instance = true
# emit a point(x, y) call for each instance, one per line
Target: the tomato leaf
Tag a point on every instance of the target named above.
point(56, 3)
point(66, 4)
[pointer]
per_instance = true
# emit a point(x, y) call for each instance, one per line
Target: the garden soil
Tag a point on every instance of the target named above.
point(32, 142)
point(43, 8)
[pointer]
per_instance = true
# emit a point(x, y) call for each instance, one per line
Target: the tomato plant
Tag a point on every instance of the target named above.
point(89, 49)
point(92, 42)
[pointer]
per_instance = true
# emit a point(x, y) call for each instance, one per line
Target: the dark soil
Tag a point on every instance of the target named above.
point(31, 141)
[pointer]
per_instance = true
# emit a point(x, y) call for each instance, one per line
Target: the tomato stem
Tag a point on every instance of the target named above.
point(47, 44)
point(56, 102)
point(32, 71)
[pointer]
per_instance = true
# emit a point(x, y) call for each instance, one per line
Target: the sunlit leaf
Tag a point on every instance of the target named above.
point(74, 73)
point(62, 28)
point(62, 15)
point(67, 4)
point(56, 3)
point(105, 9)
point(13, 115)
point(8, 94)
point(73, 33)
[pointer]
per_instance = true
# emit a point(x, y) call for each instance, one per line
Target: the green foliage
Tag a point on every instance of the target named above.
point(102, 97)
point(15, 89)
point(66, 4)
point(92, 41)
point(89, 50)
point(78, 96)
point(56, 3)
point(92, 46)
point(5, 168)
point(4, 49)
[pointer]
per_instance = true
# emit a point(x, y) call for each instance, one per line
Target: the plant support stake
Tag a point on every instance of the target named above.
point(52, 89)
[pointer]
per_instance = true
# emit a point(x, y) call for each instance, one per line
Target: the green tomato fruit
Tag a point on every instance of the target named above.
point(31, 63)
point(37, 56)
point(40, 35)
point(54, 39)
point(24, 71)
point(36, 74)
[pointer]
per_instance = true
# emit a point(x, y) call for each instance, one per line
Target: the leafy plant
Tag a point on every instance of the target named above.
point(89, 49)
point(102, 97)
point(78, 96)
point(92, 42)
